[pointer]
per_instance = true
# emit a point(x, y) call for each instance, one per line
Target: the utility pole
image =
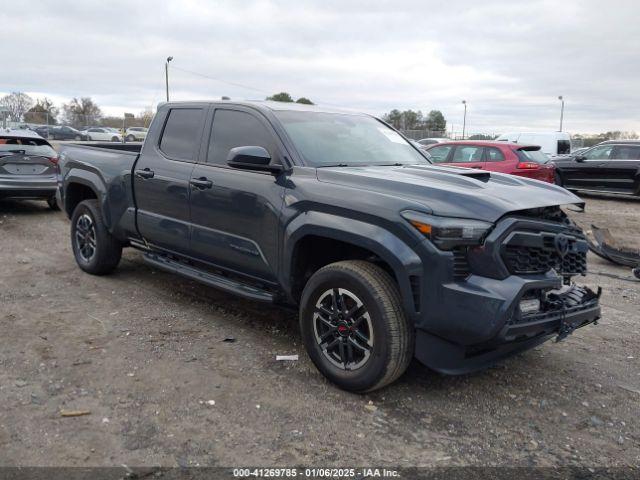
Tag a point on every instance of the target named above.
point(166, 75)
point(464, 122)
point(561, 111)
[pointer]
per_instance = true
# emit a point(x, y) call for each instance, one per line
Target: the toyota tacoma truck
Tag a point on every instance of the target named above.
point(385, 255)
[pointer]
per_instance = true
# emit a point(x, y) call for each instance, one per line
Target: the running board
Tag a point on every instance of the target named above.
point(217, 281)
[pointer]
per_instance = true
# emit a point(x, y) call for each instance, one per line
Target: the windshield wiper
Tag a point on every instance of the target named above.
point(335, 165)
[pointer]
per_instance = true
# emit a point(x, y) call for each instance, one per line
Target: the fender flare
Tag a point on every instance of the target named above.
point(391, 249)
point(90, 180)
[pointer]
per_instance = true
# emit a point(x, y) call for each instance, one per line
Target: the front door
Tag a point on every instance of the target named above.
point(161, 179)
point(235, 212)
point(585, 173)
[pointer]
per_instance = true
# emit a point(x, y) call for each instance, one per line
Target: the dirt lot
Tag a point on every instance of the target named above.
point(144, 352)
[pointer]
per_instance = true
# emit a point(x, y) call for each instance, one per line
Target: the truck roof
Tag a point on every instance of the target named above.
point(270, 105)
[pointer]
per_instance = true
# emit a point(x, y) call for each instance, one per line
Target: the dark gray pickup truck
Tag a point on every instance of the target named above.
point(386, 256)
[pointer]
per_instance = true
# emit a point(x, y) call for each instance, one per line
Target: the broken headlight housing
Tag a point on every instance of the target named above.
point(447, 232)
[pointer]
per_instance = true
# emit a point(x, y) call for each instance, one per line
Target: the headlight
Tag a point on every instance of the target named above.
point(447, 233)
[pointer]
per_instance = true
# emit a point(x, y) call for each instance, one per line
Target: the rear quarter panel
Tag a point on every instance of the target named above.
point(108, 173)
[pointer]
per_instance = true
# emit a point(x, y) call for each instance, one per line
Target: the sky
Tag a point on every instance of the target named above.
point(510, 60)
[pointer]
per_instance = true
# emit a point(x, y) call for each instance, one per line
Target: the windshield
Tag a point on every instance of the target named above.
point(536, 156)
point(30, 146)
point(333, 139)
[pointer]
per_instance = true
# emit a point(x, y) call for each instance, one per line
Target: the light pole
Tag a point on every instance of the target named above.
point(166, 75)
point(464, 122)
point(561, 110)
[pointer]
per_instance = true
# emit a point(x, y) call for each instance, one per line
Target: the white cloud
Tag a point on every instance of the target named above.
point(509, 60)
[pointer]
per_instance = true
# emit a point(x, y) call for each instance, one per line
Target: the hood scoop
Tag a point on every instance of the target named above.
point(482, 176)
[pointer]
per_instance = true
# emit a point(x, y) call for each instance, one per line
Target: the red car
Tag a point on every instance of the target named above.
point(504, 157)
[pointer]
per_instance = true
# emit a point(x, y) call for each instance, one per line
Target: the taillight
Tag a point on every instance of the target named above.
point(53, 160)
point(528, 165)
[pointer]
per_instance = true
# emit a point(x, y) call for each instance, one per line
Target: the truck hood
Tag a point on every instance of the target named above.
point(452, 191)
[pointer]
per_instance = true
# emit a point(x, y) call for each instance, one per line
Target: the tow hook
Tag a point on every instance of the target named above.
point(564, 301)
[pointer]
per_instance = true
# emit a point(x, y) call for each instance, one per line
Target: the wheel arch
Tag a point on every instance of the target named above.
point(356, 239)
point(78, 186)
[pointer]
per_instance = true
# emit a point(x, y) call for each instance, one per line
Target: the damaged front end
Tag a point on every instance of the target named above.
point(518, 294)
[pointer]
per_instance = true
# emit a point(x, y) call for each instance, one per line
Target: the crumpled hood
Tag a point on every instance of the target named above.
point(452, 191)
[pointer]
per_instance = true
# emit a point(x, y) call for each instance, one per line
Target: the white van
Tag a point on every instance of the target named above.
point(551, 143)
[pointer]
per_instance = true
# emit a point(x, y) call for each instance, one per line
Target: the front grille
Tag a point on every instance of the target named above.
point(531, 253)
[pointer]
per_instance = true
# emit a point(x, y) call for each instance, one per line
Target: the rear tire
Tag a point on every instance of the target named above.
point(361, 351)
point(96, 251)
point(53, 205)
point(131, 138)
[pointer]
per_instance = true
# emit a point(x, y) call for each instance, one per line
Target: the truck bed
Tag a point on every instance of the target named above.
point(108, 167)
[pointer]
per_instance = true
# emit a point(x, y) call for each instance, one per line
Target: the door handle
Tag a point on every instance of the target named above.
point(202, 183)
point(146, 173)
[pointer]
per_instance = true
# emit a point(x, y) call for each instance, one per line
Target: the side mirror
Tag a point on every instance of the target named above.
point(252, 158)
point(579, 158)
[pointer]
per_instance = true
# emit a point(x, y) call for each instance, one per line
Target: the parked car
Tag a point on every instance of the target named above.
point(42, 130)
point(551, 143)
point(385, 255)
point(103, 134)
point(611, 166)
point(63, 132)
point(28, 166)
point(133, 134)
point(522, 160)
point(431, 141)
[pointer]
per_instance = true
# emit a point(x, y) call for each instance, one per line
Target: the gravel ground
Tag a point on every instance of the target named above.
point(145, 353)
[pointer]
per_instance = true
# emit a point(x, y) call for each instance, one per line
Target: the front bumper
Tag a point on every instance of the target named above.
point(465, 322)
point(574, 307)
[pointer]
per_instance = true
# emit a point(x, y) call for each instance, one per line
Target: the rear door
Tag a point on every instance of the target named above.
point(235, 212)
point(586, 173)
point(161, 178)
point(471, 156)
point(620, 172)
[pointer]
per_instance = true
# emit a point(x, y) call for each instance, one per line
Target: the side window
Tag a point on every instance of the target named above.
point(598, 153)
point(494, 155)
point(467, 154)
point(440, 154)
point(232, 128)
point(626, 152)
point(564, 147)
point(181, 132)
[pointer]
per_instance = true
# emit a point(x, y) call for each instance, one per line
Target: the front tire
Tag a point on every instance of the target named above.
point(78, 137)
point(115, 139)
point(131, 138)
point(96, 251)
point(354, 327)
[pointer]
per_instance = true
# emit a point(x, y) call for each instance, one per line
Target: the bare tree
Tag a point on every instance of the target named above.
point(81, 112)
point(17, 103)
point(44, 111)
